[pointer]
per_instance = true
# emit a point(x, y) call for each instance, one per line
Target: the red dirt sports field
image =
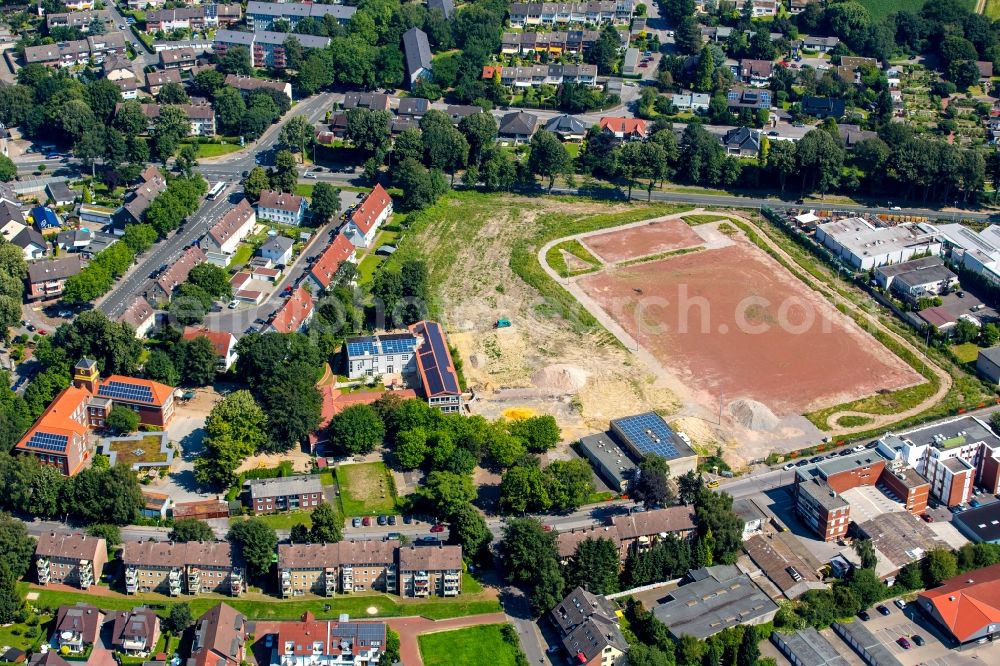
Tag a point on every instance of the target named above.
point(652, 238)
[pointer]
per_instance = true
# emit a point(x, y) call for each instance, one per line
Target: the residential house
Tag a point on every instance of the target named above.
point(314, 642)
point(181, 18)
point(588, 626)
point(281, 207)
point(748, 98)
point(798, 6)
point(430, 570)
point(459, 111)
point(247, 84)
point(517, 127)
point(155, 505)
point(77, 628)
point(851, 68)
point(742, 142)
point(262, 15)
point(756, 72)
point(361, 100)
point(413, 107)
point(820, 44)
point(537, 75)
point(33, 244)
point(325, 268)
point(380, 354)
point(82, 21)
point(567, 128)
point(402, 123)
point(155, 80)
point(551, 13)
point(121, 71)
point(697, 102)
point(630, 66)
point(151, 186)
point(295, 313)
point(50, 658)
point(97, 217)
point(446, 7)
point(47, 279)
point(183, 58)
point(74, 559)
point(624, 129)
point(201, 116)
point(988, 365)
point(135, 632)
point(418, 55)
point(438, 378)
point(277, 250)
point(763, 8)
point(230, 231)
point(824, 107)
point(191, 568)
point(288, 493)
point(641, 531)
point(852, 135)
point(366, 218)
point(45, 219)
point(223, 343)
point(177, 272)
point(219, 638)
point(556, 43)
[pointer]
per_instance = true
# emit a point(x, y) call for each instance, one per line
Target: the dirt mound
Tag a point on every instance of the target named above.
point(753, 415)
point(560, 377)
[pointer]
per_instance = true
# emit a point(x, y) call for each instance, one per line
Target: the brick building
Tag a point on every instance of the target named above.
point(287, 493)
point(191, 568)
point(70, 559)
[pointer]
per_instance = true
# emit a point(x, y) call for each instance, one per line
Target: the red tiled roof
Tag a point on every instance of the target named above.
point(371, 208)
point(296, 310)
point(231, 222)
point(624, 125)
point(339, 251)
point(179, 270)
point(161, 392)
point(220, 340)
point(138, 313)
point(968, 602)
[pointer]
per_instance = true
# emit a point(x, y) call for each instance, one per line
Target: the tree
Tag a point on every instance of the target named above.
point(446, 149)
point(299, 534)
point(748, 654)
point(191, 529)
point(326, 524)
point(368, 130)
point(139, 237)
point(296, 134)
point(325, 203)
point(212, 279)
point(525, 546)
point(7, 169)
point(447, 492)
point(236, 61)
point(316, 72)
point(122, 420)
point(411, 448)
point(939, 565)
point(257, 542)
point(10, 600)
point(391, 652)
point(523, 488)
point(604, 53)
point(549, 587)
point(653, 486)
point(570, 483)
point(256, 182)
point(594, 566)
point(111, 534)
point(208, 82)
point(234, 430)
point(229, 110)
point(284, 177)
point(418, 184)
point(866, 551)
point(16, 545)
point(357, 429)
point(178, 619)
point(866, 586)
point(169, 128)
point(469, 530)
point(172, 93)
point(548, 156)
point(539, 433)
point(480, 130)
point(294, 408)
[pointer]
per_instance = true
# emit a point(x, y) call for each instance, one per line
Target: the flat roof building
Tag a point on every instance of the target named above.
point(610, 460)
point(648, 433)
point(980, 525)
point(864, 246)
point(808, 647)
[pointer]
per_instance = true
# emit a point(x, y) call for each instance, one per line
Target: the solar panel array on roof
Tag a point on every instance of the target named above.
point(377, 345)
point(360, 347)
point(123, 391)
point(433, 354)
point(48, 442)
point(649, 434)
point(398, 345)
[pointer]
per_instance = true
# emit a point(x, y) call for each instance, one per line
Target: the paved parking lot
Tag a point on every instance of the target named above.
point(935, 651)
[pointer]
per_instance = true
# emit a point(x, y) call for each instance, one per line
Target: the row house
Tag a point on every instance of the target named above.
point(637, 532)
point(561, 13)
point(77, 627)
point(267, 48)
point(281, 207)
point(79, 20)
point(176, 273)
point(263, 15)
point(247, 84)
point(182, 58)
point(324, 269)
point(294, 314)
point(367, 217)
point(70, 559)
point(573, 42)
point(230, 231)
point(193, 18)
point(192, 568)
point(220, 638)
point(287, 493)
point(537, 75)
point(355, 566)
point(201, 117)
point(76, 52)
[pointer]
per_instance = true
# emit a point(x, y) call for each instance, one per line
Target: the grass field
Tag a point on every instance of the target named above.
point(356, 605)
point(216, 149)
point(366, 489)
point(472, 646)
point(967, 353)
point(284, 520)
point(992, 11)
point(704, 218)
point(882, 8)
point(557, 260)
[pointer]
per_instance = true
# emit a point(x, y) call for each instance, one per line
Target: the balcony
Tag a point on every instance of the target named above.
point(286, 584)
point(134, 644)
point(42, 565)
point(330, 582)
point(194, 581)
point(236, 582)
point(174, 579)
point(131, 580)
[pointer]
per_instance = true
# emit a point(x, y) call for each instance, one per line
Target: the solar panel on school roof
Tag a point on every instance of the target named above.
point(398, 345)
point(360, 348)
point(123, 391)
point(649, 434)
point(48, 442)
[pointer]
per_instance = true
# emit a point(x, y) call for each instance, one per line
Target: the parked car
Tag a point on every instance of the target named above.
point(900, 604)
point(859, 448)
point(311, 175)
point(864, 615)
point(881, 608)
point(788, 466)
point(815, 459)
point(871, 445)
point(407, 520)
point(918, 639)
point(712, 484)
point(802, 463)
point(366, 521)
point(383, 520)
point(903, 643)
point(437, 528)
point(356, 522)
point(233, 304)
point(31, 328)
point(552, 649)
point(392, 535)
point(392, 520)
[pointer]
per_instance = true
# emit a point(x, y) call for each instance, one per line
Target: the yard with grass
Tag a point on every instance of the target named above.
point(366, 489)
point(283, 520)
point(992, 10)
point(966, 353)
point(472, 646)
point(268, 608)
point(216, 149)
point(243, 254)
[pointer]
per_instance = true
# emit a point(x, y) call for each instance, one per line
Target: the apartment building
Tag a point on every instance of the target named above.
point(230, 231)
point(588, 626)
point(182, 58)
point(288, 493)
point(430, 571)
point(201, 116)
point(537, 75)
point(262, 15)
point(70, 559)
point(295, 313)
point(193, 18)
point(438, 378)
point(176, 273)
point(559, 13)
point(557, 43)
point(247, 84)
point(134, 632)
point(191, 568)
point(76, 52)
point(313, 642)
point(380, 354)
point(640, 531)
point(281, 207)
point(47, 279)
point(325, 268)
point(79, 20)
point(355, 566)
point(368, 216)
point(267, 48)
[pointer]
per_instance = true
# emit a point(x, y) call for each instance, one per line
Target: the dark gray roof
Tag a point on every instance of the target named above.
point(279, 244)
point(946, 435)
point(983, 522)
point(29, 236)
point(418, 51)
point(891, 270)
point(821, 492)
point(565, 124)
point(413, 106)
point(807, 646)
point(865, 642)
point(925, 276)
point(743, 138)
point(60, 191)
point(518, 122)
point(447, 7)
point(288, 485)
point(609, 454)
point(578, 606)
point(54, 269)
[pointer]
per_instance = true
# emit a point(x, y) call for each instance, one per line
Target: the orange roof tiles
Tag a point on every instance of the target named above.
point(371, 208)
point(624, 125)
point(294, 312)
point(967, 603)
point(220, 340)
point(161, 392)
point(339, 251)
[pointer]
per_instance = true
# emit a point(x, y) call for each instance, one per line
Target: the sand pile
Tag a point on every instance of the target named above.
point(559, 377)
point(753, 415)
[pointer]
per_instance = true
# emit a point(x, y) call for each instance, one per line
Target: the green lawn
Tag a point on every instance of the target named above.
point(967, 353)
point(243, 254)
point(305, 190)
point(879, 9)
point(216, 149)
point(472, 646)
point(367, 268)
point(356, 605)
point(992, 10)
point(366, 489)
point(326, 478)
point(127, 451)
point(704, 218)
point(284, 520)
point(557, 260)
point(25, 636)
